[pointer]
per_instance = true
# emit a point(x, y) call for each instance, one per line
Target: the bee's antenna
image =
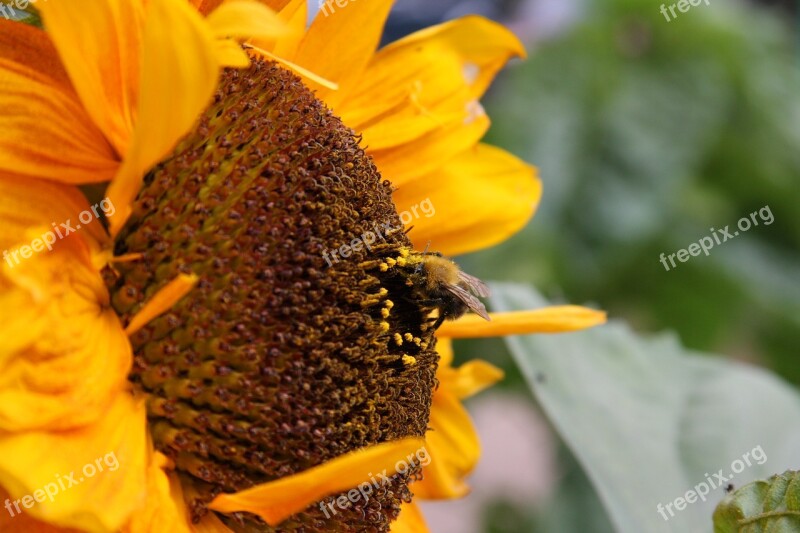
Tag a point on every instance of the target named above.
point(419, 266)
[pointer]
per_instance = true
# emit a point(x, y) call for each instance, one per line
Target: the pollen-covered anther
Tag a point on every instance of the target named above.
point(279, 359)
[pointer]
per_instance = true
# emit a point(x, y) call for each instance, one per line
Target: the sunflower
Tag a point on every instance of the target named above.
point(178, 356)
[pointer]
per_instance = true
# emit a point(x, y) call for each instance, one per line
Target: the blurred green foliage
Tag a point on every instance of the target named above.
point(648, 133)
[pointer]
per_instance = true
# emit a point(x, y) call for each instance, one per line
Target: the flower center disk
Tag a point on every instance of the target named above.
point(279, 359)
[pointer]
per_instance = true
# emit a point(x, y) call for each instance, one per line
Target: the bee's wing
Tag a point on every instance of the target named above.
point(478, 287)
point(473, 303)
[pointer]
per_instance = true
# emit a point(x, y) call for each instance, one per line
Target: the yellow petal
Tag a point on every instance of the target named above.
point(556, 319)
point(337, 47)
point(480, 43)
point(454, 450)
point(427, 80)
point(410, 520)
point(44, 129)
point(210, 523)
point(95, 474)
point(100, 46)
point(24, 522)
point(179, 73)
point(481, 197)
point(470, 378)
point(277, 500)
point(29, 203)
point(277, 5)
point(421, 159)
point(246, 19)
point(303, 72)
point(206, 6)
point(466, 380)
point(164, 508)
point(162, 301)
point(444, 347)
point(231, 54)
point(55, 316)
point(295, 15)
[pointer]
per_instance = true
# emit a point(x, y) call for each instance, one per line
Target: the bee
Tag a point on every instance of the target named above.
point(438, 281)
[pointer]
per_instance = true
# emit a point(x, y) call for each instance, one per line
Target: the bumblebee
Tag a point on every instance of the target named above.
point(439, 282)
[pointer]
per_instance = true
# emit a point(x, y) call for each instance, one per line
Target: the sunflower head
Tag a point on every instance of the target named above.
point(249, 369)
point(279, 359)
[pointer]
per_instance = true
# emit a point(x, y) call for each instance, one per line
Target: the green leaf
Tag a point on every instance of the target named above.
point(650, 421)
point(771, 506)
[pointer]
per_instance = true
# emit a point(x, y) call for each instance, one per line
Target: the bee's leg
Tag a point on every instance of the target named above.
point(439, 321)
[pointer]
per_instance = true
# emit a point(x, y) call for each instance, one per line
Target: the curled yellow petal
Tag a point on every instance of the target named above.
point(482, 46)
point(427, 80)
point(556, 319)
point(470, 378)
point(55, 316)
point(91, 478)
point(277, 500)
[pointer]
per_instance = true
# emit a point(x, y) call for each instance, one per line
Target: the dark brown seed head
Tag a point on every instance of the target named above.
point(279, 359)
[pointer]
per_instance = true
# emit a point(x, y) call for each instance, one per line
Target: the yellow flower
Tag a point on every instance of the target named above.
point(145, 364)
